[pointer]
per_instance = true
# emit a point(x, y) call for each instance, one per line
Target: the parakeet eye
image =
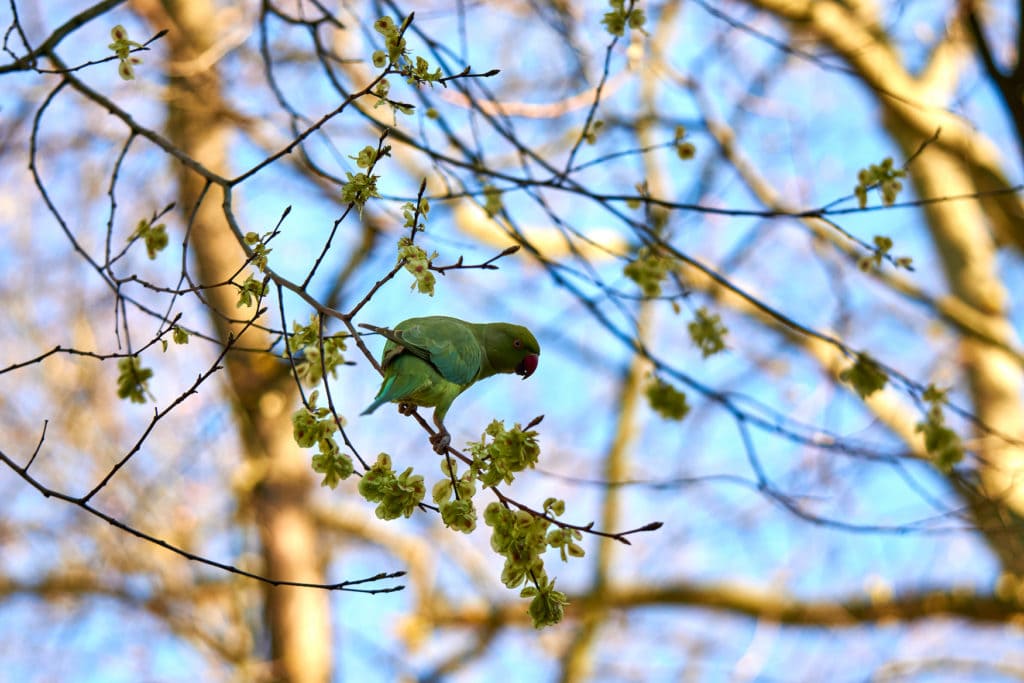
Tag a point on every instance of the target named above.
point(517, 343)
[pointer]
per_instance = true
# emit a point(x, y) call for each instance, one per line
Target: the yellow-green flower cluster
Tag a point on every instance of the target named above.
point(153, 236)
point(707, 332)
point(133, 379)
point(885, 176)
point(122, 47)
point(397, 495)
point(666, 400)
point(865, 376)
point(616, 21)
point(507, 452)
point(303, 344)
point(941, 442)
point(648, 270)
point(315, 427)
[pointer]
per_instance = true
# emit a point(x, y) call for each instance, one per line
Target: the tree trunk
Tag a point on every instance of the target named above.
point(297, 619)
point(960, 162)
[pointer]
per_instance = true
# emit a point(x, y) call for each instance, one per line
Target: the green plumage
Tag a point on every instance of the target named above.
point(430, 361)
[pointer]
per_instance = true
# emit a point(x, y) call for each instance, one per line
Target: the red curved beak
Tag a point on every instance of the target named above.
point(527, 366)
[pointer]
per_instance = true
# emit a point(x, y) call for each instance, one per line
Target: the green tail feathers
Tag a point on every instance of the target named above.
point(382, 396)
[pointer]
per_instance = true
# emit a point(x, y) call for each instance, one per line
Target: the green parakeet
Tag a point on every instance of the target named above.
point(429, 361)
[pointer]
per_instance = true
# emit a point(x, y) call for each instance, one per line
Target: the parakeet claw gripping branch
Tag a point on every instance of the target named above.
point(430, 361)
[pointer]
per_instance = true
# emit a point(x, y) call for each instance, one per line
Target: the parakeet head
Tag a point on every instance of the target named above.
point(511, 348)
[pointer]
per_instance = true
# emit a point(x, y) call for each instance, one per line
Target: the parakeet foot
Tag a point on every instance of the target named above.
point(406, 408)
point(441, 441)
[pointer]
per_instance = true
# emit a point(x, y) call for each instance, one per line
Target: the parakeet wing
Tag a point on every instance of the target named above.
point(447, 343)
